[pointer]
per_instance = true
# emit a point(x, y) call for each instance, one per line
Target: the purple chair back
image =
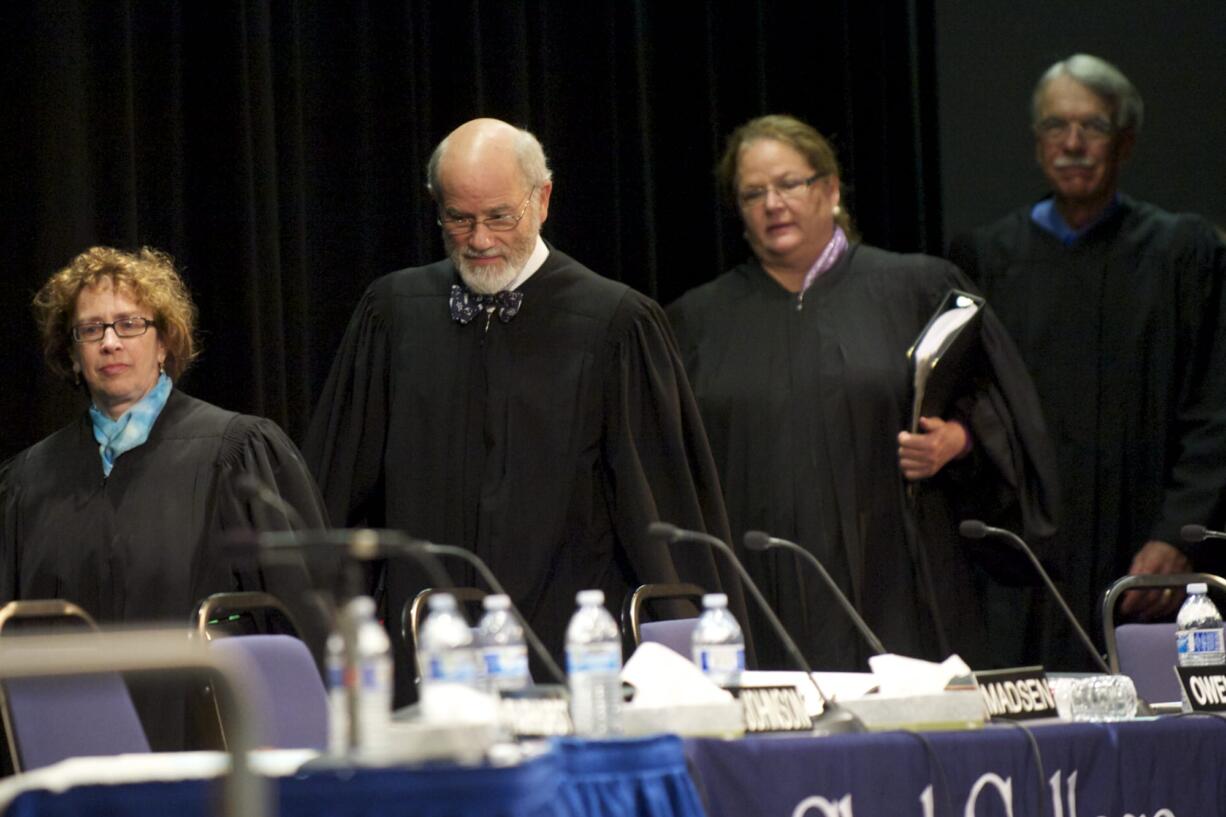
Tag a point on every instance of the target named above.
point(73, 716)
point(289, 691)
point(1147, 655)
point(673, 633)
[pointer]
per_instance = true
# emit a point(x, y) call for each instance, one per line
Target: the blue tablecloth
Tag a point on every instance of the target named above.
point(1174, 767)
point(621, 778)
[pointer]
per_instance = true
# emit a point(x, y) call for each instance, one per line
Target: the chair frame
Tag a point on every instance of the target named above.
point(1144, 581)
point(632, 607)
point(24, 610)
point(246, 600)
point(414, 611)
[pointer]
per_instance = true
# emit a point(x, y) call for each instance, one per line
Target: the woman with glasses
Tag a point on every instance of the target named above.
point(124, 510)
point(799, 360)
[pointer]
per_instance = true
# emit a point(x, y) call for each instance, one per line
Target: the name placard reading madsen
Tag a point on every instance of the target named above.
point(1018, 694)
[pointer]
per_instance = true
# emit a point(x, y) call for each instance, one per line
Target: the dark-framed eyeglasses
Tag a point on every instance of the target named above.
point(463, 225)
point(786, 188)
point(124, 328)
point(1057, 128)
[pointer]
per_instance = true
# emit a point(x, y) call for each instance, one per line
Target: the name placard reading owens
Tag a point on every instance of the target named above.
point(1019, 694)
point(1204, 687)
point(773, 709)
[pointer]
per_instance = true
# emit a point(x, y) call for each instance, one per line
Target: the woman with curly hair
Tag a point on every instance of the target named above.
point(123, 510)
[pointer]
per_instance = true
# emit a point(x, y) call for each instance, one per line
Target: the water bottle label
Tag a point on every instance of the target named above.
point(1206, 640)
point(376, 675)
point(721, 659)
point(594, 659)
point(509, 662)
point(452, 667)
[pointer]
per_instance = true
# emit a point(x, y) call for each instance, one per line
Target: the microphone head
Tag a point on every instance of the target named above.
point(662, 530)
point(757, 540)
point(1192, 533)
point(973, 529)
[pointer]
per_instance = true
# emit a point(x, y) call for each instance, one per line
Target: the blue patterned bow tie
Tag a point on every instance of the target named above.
point(465, 304)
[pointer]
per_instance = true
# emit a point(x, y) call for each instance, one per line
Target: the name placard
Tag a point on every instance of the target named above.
point(535, 712)
point(773, 709)
point(1017, 694)
point(1204, 687)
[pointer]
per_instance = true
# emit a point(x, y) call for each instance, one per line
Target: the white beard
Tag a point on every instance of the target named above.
point(485, 279)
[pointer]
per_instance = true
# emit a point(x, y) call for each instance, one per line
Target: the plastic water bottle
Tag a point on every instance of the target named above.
point(447, 658)
point(593, 667)
point(373, 662)
point(338, 695)
point(718, 645)
point(500, 639)
point(1198, 634)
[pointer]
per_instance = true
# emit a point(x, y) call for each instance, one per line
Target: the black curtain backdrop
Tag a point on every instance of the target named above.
point(277, 150)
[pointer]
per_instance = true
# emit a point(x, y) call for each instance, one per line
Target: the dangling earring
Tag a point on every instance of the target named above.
point(836, 211)
point(162, 368)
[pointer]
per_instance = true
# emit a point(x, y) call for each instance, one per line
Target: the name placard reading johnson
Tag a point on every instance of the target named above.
point(773, 709)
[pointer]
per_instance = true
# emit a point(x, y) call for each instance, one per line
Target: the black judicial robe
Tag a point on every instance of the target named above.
point(1123, 333)
point(803, 407)
point(145, 544)
point(545, 445)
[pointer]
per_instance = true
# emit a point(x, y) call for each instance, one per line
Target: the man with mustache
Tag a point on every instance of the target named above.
point(512, 401)
point(1117, 307)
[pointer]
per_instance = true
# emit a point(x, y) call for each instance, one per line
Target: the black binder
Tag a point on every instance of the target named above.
point(938, 375)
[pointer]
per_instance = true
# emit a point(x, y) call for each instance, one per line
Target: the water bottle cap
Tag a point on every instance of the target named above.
point(589, 597)
point(1198, 587)
point(362, 605)
point(715, 600)
point(441, 601)
point(497, 601)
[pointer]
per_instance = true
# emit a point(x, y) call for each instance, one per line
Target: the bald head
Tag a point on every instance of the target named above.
point(484, 148)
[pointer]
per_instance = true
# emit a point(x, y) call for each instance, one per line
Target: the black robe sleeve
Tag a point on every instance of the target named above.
point(345, 443)
point(258, 449)
point(661, 464)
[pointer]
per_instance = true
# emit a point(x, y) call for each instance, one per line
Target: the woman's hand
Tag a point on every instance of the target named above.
point(922, 455)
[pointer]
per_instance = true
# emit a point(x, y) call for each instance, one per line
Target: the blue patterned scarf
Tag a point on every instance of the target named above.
point(133, 426)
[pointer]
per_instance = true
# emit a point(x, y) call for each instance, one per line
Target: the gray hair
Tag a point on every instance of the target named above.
point(1105, 80)
point(532, 162)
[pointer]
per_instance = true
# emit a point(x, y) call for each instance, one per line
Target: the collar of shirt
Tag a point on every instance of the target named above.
point(539, 253)
point(833, 251)
point(1048, 218)
point(114, 437)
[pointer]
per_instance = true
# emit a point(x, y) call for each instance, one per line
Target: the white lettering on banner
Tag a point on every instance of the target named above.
point(1004, 787)
point(1057, 805)
point(926, 802)
point(840, 808)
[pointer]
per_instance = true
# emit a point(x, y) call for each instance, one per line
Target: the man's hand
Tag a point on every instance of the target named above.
point(1155, 557)
point(922, 455)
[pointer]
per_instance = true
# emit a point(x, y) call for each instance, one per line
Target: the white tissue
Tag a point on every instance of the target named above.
point(898, 675)
point(661, 677)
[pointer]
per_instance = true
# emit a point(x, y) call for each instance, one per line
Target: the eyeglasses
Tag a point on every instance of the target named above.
point(1056, 129)
point(790, 189)
point(463, 225)
point(124, 328)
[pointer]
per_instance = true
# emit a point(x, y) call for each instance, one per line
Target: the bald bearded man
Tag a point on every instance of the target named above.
point(512, 401)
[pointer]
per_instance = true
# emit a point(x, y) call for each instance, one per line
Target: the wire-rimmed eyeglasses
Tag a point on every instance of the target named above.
point(463, 225)
point(786, 188)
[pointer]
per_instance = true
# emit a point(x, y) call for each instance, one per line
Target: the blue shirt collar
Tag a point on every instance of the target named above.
point(1047, 217)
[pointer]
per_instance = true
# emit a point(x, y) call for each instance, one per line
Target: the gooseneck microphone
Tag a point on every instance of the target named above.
point(758, 541)
point(1199, 533)
point(976, 529)
point(488, 577)
point(368, 544)
point(834, 718)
